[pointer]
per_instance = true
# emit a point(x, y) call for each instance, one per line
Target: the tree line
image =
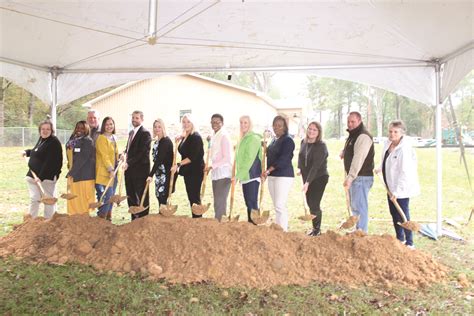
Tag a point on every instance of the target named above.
point(378, 107)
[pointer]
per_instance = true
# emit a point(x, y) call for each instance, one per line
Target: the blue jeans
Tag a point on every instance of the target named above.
point(359, 192)
point(250, 191)
point(106, 207)
point(402, 234)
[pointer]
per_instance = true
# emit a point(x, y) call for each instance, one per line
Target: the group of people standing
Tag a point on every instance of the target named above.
point(94, 158)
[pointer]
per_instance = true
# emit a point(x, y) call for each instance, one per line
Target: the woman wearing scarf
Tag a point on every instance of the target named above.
point(80, 153)
point(46, 160)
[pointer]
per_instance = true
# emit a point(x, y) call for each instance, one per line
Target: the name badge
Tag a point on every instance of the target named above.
point(77, 150)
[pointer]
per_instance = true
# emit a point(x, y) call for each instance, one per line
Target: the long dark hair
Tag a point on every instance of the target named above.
point(104, 121)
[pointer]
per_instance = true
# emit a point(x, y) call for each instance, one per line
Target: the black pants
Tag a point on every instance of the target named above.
point(250, 191)
point(193, 189)
point(313, 197)
point(135, 185)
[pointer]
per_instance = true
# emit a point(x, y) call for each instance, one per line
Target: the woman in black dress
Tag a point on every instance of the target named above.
point(162, 153)
point(191, 166)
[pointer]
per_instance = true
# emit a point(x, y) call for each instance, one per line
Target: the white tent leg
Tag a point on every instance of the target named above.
point(152, 21)
point(54, 95)
point(439, 156)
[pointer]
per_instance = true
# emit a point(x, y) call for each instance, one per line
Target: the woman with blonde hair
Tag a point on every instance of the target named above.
point(248, 160)
point(191, 166)
point(80, 153)
point(162, 153)
point(312, 166)
point(106, 162)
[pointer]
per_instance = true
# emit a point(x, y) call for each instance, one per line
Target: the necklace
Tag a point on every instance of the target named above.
point(40, 143)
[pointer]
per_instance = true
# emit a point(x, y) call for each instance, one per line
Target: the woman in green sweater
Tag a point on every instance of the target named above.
point(248, 159)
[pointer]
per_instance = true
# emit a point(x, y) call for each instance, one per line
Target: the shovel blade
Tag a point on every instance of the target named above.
point(95, 205)
point(350, 222)
point(258, 217)
point(136, 209)
point(307, 217)
point(199, 209)
point(413, 226)
point(49, 200)
point(168, 210)
point(68, 196)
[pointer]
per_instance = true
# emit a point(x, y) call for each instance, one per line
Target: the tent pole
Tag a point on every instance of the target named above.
point(152, 21)
point(439, 157)
point(54, 94)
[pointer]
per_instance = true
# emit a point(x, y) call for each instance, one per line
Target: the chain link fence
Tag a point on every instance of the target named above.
point(26, 136)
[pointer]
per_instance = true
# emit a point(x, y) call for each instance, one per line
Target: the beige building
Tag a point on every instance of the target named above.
point(170, 96)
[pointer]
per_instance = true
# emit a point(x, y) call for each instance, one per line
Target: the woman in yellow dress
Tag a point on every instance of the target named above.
point(80, 153)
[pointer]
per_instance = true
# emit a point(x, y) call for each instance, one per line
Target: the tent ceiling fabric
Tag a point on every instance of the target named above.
point(101, 43)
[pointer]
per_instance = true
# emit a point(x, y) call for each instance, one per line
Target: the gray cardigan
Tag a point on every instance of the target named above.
point(83, 160)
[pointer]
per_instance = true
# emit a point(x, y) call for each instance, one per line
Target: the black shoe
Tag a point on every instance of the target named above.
point(314, 233)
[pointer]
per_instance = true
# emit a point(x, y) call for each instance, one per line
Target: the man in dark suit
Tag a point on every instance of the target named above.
point(137, 165)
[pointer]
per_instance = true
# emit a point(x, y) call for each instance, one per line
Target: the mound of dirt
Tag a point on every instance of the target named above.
point(185, 250)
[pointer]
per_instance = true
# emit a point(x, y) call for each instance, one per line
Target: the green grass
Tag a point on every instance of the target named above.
point(30, 288)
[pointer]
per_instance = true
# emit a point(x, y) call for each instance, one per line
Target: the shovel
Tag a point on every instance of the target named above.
point(352, 220)
point(118, 198)
point(257, 216)
point(232, 192)
point(168, 209)
point(99, 203)
point(48, 200)
point(199, 209)
point(140, 208)
point(68, 195)
point(413, 226)
point(306, 217)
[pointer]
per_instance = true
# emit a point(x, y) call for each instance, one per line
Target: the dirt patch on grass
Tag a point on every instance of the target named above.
point(185, 250)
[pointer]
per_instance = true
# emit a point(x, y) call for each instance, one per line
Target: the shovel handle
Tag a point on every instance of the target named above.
point(170, 189)
point(394, 201)
point(37, 182)
point(206, 172)
point(232, 190)
point(264, 154)
point(348, 201)
point(109, 183)
point(305, 203)
point(144, 194)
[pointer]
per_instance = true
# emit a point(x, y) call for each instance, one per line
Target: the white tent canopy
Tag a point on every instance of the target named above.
point(62, 50)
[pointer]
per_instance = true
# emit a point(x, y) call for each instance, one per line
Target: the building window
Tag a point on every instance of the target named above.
point(182, 112)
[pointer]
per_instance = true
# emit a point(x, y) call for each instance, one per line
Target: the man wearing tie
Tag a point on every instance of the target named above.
point(137, 165)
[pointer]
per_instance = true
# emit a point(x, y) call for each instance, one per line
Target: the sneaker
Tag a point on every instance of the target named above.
point(411, 247)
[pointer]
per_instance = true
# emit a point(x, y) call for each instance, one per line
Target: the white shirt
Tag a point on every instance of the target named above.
point(401, 169)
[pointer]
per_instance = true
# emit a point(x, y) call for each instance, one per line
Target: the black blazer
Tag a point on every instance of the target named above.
point(83, 160)
point(165, 156)
point(138, 154)
point(193, 149)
